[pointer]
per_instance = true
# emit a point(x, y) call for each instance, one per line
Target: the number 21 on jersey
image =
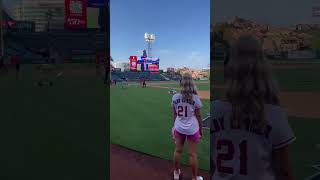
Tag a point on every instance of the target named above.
point(183, 111)
point(229, 154)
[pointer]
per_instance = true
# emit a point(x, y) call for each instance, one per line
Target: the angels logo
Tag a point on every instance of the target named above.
point(133, 64)
point(76, 7)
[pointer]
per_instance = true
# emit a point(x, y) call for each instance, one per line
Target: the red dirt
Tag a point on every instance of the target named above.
point(126, 164)
point(299, 104)
point(201, 93)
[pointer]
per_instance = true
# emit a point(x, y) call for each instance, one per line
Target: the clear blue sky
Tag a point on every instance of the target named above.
point(181, 27)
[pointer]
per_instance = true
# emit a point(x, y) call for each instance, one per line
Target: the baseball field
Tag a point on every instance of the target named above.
point(141, 120)
point(141, 117)
point(53, 132)
point(45, 124)
point(300, 95)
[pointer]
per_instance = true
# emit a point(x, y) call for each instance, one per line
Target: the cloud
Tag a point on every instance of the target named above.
point(192, 59)
point(197, 60)
point(163, 52)
point(140, 51)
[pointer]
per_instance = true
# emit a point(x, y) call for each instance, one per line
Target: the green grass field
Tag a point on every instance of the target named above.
point(303, 79)
point(147, 122)
point(141, 119)
point(56, 132)
point(201, 85)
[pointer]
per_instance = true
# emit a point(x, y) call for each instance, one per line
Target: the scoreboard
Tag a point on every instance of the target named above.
point(144, 64)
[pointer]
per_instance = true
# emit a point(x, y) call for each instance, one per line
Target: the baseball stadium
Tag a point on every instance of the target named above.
point(144, 113)
point(295, 62)
point(144, 77)
point(52, 78)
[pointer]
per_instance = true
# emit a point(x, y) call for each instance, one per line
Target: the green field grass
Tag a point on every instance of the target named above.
point(56, 132)
point(141, 119)
point(201, 85)
point(298, 79)
point(293, 80)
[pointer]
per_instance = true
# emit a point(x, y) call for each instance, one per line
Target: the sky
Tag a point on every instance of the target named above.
point(274, 12)
point(181, 28)
point(9, 4)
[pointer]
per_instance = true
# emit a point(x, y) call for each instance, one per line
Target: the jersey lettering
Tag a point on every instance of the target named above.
point(228, 146)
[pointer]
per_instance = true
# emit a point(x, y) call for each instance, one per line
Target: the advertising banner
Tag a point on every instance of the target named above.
point(97, 3)
point(139, 67)
point(153, 67)
point(75, 14)
point(133, 63)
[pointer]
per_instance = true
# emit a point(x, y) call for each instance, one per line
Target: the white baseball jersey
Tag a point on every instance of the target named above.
point(186, 121)
point(242, 154)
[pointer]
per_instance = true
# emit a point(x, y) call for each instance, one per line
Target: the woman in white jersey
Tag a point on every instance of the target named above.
point(250, 133)
point(187, 124)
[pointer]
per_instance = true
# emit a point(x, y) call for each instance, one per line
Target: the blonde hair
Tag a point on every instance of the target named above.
point(249, 83)
point(188, 87)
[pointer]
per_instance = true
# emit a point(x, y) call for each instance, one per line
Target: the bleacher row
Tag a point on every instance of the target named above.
point(83, 46)
point(135, 76)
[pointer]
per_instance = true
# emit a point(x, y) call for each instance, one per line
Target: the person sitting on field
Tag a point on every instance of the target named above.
point(250, 133)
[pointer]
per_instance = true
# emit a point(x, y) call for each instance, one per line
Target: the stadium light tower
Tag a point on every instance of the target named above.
point(149, 38)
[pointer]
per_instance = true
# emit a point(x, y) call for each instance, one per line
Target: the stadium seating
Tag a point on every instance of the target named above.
point(82, 45)
point(135, 76)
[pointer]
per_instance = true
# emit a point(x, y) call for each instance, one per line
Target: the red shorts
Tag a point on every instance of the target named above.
point(195, 137)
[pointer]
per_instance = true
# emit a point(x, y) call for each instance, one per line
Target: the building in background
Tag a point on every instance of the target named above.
point(124, 66)
point(46, 14)
point(50, 14)
point(203, 74)
point(170, 70)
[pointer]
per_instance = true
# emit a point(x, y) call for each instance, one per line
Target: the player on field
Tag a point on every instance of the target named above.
point(250, 133)
point(187, 124)
point(144, 85)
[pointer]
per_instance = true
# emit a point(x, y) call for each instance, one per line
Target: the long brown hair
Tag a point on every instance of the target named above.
point(249, 83)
